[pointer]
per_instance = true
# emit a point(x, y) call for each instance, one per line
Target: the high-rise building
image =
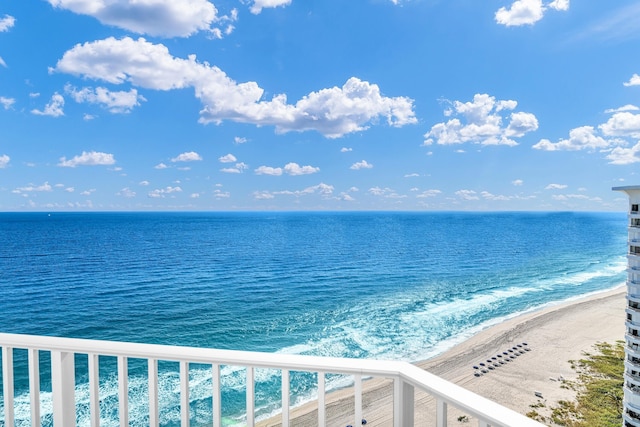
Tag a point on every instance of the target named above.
point(631, 411)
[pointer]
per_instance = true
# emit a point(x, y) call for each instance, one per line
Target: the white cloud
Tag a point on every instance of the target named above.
point(361, 165)
point(92, 158)
point(6, 23)
point(46, 187)
point(126, 192)
point(160, 166)
point(163, 192)
point(412, 175)
point(333, 112)
point(295, 169)
point(229, 158)
point(115, 102)
point(559, 5)
point(633, 81)
point(625, 156)
point(4, 64)
point(69, 189)
point(322, 189)
point(483, 123)
point(387, 193)
point(190, 156)
point(4, 161)
point(517, 182)
point(175, 18)
point(555, 187)
point(622, 124)
point(88, 192)
point(239, 140)
point(219, 194)
point(87, 117)
point(239, 168)
point(258, 5)
point(346, 150)
point(467, 194)
point(53, 108)
point(144, 183)
point(428, 193)
point(268, 170)
point(7, 102)
point(628, 107)
point(527, 12)
point(579, 139)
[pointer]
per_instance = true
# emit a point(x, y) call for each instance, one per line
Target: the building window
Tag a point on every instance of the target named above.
point(634, 208)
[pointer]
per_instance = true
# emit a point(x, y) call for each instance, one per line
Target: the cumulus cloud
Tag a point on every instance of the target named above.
point(91, 158)
point(258, 5)
point(46, 187)
point(126, 192)
point(624, 156)
point(163, 192)
point(628, 107)
point(517, 182)
point(527, 12)
point(387, 193)
point(555, 187)
point(175, 18)
point(482, 123)
point(190, 156)
point(6, 23)
point(229, 158)
point(239, 140)
point(579, 139)
point(7, 102)
point(633, 81)
point(361, 165)
point(428, 193)
point(467, 195)
point(268, 170)
point(4, 161)
point(239, 168)
point(622, 124)
point(116, 102)
point(321, 189)
point(333, 112)
point(54, 108)
point(296, 169)
point(346, 149)
point(160, 166)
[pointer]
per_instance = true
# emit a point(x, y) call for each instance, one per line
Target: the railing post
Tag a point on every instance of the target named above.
point(63, 383)
point(441, 413)
point(154, 410)
point(7, 385)
point(285, 397)
point(322, 417)
point(403, 403)
point(34, 386)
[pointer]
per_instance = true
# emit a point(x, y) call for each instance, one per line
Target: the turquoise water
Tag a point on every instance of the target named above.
point(401, 286)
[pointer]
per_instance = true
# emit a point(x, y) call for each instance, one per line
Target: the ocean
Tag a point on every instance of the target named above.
point(379, 285)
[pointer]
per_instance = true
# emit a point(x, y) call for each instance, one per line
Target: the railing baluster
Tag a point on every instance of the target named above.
point(250, 397)
point(34, 386)
point(94, 389)
point(322, 417)
point(441, 413)
point(184, 394)
point(123, 391)
point(7, 385)
point(216, 397)
point(357, 391)
point(397, 402)
point(63, 388)
point(285, 398)
point(154, 410)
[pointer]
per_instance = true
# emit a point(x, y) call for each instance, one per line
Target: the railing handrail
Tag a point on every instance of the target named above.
point(450, 393)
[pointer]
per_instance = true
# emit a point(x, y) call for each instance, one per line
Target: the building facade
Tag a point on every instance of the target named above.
point(631, 414)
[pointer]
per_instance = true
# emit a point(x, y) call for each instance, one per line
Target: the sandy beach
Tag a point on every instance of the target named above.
point(554, 336)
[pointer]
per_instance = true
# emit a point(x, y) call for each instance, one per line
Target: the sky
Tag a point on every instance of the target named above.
point(235, 105)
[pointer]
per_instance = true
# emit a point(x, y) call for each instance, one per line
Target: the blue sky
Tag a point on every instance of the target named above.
point(318, 104)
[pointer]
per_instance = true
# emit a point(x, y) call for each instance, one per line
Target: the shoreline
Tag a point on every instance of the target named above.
point(554, 334)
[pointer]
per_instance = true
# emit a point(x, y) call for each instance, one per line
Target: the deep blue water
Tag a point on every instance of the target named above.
point(370, 285)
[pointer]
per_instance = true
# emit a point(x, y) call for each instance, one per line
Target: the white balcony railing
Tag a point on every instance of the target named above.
point(406, 378)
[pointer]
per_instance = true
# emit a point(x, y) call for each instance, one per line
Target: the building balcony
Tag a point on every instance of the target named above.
point(64, 352)
point(630, 421)
point(632, 401)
